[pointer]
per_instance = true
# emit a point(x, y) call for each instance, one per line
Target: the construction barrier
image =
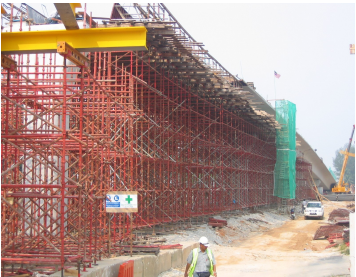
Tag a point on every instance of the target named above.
point(126, 269)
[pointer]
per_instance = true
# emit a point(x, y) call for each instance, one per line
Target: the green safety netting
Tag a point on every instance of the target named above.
point(284, 171)
point(285, 115)
point(332, 173)
point(284, 174)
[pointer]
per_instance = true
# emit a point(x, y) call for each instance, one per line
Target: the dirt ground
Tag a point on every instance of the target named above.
point(288, 250)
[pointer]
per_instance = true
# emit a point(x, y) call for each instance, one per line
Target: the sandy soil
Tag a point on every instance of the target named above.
point(288, 250)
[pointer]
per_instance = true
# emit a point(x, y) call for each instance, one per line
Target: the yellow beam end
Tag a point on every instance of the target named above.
point(71, 54)
point(86, 40)
point(3, 10)
point(8, 63)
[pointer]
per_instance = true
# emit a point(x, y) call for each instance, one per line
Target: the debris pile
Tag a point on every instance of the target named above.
point(337, 231)
point(334, 237)
point(339, 213)
point(351, 207)
point(326, 231)
point(139, 250)
point(217, 222)
point(223, 229)
point(145, 245)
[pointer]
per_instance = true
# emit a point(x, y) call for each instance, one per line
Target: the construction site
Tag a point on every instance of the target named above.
point(133, 104)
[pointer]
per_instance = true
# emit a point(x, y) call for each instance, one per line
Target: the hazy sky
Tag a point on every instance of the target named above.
point(307, 44)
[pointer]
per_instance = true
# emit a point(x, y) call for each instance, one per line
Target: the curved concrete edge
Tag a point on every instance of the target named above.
point(144, 266)
point(319, 169)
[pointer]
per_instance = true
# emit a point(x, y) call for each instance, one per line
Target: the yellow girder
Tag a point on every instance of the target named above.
point(87, 40)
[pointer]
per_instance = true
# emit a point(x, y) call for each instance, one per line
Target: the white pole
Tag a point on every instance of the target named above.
point(352, 243)
point(130, 233)
point(275, 97)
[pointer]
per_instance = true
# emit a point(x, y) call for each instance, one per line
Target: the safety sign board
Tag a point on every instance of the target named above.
point(121, 202)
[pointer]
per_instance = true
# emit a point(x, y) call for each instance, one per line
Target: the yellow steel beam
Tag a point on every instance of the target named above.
point(8, 63)
point(3, 10)
point(67, 14)
point(71, 54)
point(87, 40)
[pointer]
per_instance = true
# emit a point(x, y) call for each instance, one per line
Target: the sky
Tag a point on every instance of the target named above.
point(307, 44)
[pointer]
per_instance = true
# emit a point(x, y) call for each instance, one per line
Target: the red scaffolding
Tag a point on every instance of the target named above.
point(304, 183)
point(70, 134)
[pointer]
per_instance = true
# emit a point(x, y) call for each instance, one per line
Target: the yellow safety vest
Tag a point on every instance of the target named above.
point(194, 262)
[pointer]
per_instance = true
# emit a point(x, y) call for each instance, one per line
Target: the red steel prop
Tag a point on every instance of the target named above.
point(303, 180)
point(72, 133)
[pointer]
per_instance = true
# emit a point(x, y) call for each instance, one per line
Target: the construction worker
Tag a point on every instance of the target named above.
point(304, 204)
point(201, 261)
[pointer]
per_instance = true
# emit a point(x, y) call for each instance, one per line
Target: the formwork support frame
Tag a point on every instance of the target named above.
point(70, 134)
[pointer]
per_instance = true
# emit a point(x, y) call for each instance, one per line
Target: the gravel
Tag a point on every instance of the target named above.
point(195, 235)
point(239, 226)
point(173, 272)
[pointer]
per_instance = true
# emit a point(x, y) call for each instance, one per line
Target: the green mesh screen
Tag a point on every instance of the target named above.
point(332, 173)
point(284, 174)
point(285, 115)
point(284, 171)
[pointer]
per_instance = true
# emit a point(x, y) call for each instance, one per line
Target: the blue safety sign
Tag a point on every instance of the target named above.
point(121, 201)
point(112, 204)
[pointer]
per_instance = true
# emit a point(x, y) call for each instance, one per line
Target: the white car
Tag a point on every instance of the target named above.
point(314, 209)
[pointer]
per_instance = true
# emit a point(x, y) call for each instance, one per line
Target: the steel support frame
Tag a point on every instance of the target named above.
point(70, 134)
point(304, 183)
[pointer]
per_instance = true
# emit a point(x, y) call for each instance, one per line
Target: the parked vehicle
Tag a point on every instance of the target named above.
point(314, 209)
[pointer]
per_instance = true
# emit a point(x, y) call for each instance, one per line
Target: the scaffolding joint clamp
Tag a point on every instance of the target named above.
point(70, 53)
point(8, 63)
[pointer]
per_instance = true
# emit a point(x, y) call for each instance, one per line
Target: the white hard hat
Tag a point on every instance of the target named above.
point(204, 241)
